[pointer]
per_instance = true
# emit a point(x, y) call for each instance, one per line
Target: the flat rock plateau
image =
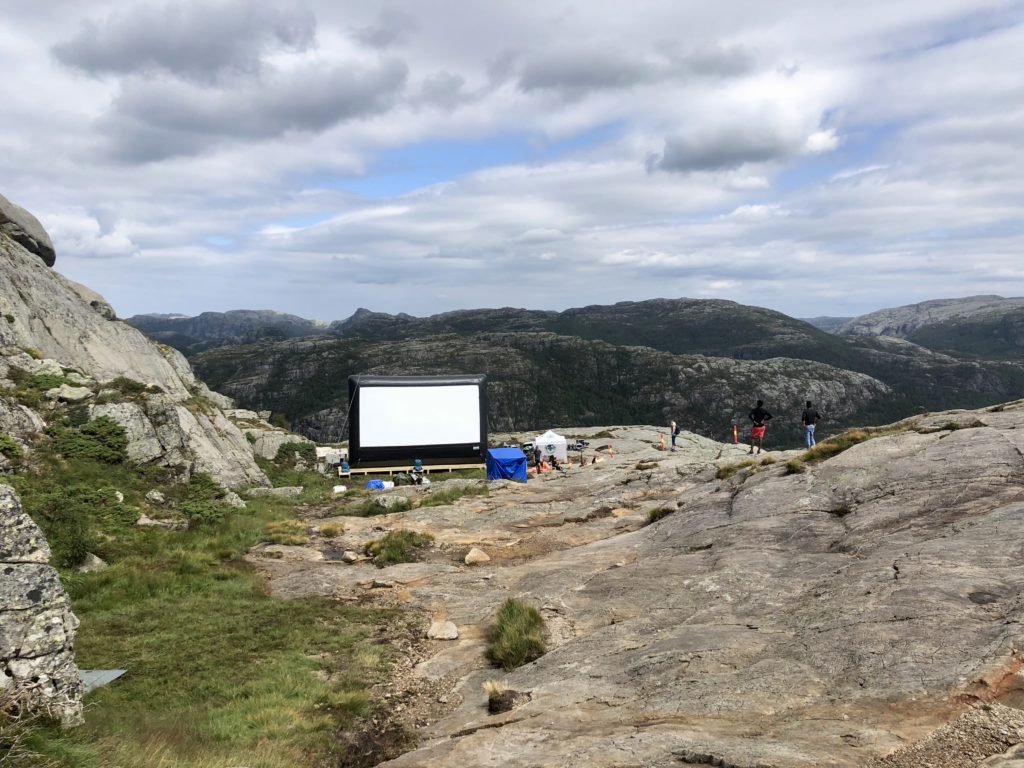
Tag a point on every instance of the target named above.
point(856, 613)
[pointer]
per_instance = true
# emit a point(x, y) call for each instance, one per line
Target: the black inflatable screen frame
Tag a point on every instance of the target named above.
point(400, 455)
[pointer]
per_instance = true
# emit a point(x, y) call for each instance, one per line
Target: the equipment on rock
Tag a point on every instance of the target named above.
point(506, 464)
point(551, 444)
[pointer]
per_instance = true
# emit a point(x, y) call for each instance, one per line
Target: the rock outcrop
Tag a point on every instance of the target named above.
point(72, 333)
point(788, 615)
point(37, 627)
point(26, 230)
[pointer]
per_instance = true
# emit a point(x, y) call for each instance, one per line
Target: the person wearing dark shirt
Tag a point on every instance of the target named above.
point(760, 418)
point(674, 429)
point(809, 418)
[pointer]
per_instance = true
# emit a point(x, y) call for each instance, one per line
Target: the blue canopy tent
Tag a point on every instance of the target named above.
point(506, 464)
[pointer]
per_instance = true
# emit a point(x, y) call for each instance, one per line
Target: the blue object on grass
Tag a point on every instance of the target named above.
point(375, 485)
point(506, 464)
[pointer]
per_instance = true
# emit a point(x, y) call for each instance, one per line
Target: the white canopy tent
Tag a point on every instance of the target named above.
point(552, 444)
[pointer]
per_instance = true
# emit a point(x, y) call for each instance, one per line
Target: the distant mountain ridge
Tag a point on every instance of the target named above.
point(974, 326)
point(914, 377)
point(211, 329)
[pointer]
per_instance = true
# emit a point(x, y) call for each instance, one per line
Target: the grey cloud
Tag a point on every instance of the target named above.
point(444, 89)
point(198, 41)
point(157, 119)
point(722, 149)
point(392, 26)
point(576, 72)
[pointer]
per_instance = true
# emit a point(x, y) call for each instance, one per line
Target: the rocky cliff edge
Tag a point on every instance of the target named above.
point(52, 325)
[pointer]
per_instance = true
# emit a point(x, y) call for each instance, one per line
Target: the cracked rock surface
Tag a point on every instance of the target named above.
point(823, 618)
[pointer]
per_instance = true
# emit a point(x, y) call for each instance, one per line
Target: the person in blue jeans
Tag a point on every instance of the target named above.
point(809, 418)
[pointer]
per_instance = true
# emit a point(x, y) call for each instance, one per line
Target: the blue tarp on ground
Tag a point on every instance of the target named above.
point(506, 464)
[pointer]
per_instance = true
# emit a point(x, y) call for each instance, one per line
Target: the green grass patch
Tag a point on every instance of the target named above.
point(220, 674)
point(446, 496)
point(399, 546)
point(795, 467)
point(833, 446)
point(367, 506)
point(288, 532)
point(316, 487)
point(517, 636)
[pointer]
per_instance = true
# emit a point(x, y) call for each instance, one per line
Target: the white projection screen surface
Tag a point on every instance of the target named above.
point(433, 415)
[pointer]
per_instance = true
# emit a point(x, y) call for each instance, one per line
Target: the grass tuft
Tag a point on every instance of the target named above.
point(399, 546)
point(290, 533)
point(728, 470)
point(447, 496)
point(795, 467)
point(517, 636)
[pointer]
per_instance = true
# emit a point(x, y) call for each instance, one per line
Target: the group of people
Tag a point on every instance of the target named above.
point(759, 418)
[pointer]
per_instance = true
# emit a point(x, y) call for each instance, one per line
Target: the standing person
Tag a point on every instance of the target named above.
point(674, 430)
point(809, 418)
point(760, 418)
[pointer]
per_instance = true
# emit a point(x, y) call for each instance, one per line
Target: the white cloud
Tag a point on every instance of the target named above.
point(344, 154)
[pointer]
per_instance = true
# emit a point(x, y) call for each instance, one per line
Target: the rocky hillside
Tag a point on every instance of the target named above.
point(212, 329)
point(700, 608)
point(56, 332)
point(87, 402)
point(989, 327)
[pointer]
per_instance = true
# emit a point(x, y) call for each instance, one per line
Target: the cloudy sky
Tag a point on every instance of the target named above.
point(813, 157)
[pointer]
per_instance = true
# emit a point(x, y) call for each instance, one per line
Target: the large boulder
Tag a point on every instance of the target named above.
point(37, 627)
point(25, 229)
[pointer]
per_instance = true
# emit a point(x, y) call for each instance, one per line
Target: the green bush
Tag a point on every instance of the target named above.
point(10, 449)
point(517, 636)
point(126, 386)
point(202, 487)
point(70, 517)
point(102, 440)
point(286, 453)
point(399, 546)
point(203, 512)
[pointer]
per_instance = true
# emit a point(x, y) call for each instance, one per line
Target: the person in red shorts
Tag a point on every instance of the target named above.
point(760, 418)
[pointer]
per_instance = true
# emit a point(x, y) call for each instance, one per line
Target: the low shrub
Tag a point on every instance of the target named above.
point(287, 451)
point(517, 636)
point(72, 515)
point(400, 546)
point(126, 386)
point(330, 531)
point(11, 450)
point(657, 513)
point(795, 467)
point(102, 440)
point(728, 470)
point(203, 512)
